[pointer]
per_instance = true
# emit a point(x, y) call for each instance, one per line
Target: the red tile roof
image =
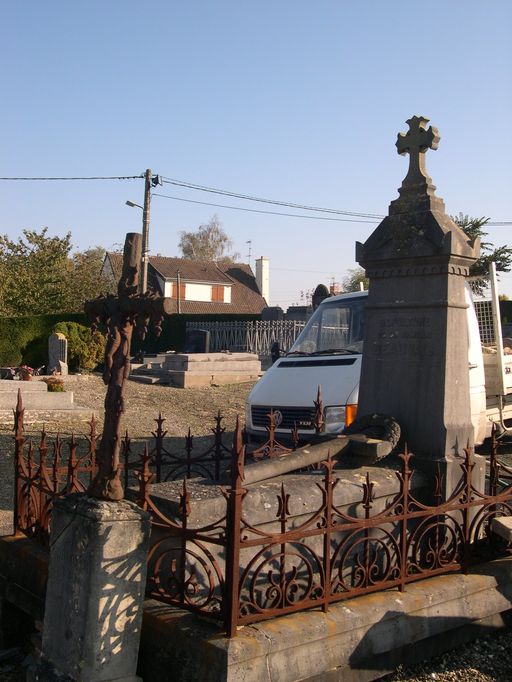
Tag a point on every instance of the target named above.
point(190, 270)
point(245, 295)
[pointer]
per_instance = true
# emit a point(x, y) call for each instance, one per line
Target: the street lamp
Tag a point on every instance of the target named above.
point(132, 204)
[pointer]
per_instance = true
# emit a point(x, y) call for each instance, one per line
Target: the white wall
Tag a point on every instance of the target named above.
point(198, 292)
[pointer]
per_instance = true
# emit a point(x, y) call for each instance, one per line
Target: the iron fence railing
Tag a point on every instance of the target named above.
point(236, 571)
point(251, 337)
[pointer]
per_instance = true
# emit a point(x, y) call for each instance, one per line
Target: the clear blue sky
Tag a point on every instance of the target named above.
point(291, 99)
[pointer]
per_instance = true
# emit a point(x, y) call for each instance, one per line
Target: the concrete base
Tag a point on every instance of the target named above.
point(358, 640)
point(190, 370)
point(44, 671)
point(95, 589)
point(39, 403)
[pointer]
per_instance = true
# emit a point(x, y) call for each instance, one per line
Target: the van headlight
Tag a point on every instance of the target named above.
point(248, 414)
point(334, 419)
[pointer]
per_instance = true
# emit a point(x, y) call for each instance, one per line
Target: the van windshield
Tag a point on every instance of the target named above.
point(336, 327)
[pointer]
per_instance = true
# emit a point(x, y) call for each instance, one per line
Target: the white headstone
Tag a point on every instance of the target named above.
point(57, 354)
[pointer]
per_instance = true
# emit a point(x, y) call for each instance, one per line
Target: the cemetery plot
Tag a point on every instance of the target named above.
point(240, 553)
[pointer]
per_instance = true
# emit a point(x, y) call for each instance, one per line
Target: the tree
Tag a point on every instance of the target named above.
point(208, 242)
point(502, 256)
point(39, 276)
point(32, 271)
point(86, 280)
point(352, 282)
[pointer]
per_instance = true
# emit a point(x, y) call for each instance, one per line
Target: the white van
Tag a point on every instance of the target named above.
point(328, 354)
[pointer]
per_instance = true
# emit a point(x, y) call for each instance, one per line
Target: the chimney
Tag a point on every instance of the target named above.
point(262, 277)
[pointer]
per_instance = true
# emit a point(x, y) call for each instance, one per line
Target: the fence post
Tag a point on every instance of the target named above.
point(159, 436)
point(467, 495)
point(405, 487)
point(19, 443)
point(125, 455)
point(233, 522)
point(218, 431)
point(328, 492)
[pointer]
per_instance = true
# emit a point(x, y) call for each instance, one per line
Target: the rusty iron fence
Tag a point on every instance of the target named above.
point(213, 558)
point(51, 468)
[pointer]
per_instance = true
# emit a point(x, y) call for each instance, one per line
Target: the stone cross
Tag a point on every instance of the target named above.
point(118, 316)
point(415, 143)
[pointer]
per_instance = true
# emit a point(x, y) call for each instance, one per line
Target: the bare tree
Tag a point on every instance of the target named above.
point(208, 242)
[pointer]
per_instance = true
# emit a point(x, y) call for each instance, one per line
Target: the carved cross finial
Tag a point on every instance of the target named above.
point(415, 143)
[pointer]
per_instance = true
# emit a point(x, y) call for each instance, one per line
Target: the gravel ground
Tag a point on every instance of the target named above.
point(485, 660)
point(182, 408)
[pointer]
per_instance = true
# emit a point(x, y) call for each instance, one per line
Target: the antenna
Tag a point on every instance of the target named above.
point(249, 241)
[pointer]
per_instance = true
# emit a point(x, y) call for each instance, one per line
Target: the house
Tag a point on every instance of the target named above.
point(203, 287)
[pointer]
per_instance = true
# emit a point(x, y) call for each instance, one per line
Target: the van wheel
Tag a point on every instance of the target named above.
point(380, 426)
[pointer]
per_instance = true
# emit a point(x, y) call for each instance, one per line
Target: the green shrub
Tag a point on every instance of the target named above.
point(54, 384)
point(85, 347)
point(25, 339)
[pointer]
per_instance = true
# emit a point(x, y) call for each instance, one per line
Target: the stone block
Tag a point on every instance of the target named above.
point(204, 361)
point(502, 526)
point(95, 591)
point(11, 387)
point(38, 400)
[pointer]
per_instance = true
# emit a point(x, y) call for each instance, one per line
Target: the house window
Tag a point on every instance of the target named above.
point(217, 293)
point(175, 291)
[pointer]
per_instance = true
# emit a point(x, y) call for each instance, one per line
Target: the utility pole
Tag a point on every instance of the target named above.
point(145, 232)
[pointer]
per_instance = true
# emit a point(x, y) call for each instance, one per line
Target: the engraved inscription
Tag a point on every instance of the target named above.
point(404, 337)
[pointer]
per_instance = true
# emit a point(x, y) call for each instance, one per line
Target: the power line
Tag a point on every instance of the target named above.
point(95, 177)
point(255, 210)
point(214, 190)
point(317, 272)
point(249, 197)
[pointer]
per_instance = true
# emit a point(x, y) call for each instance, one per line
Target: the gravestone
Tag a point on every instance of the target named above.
point(57, 354)
point(415, 362)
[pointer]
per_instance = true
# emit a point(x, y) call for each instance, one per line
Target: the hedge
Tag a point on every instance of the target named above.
point(25, 339)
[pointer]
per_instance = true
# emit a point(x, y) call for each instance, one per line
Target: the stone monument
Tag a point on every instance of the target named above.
point(415, 362)
point(57, 354)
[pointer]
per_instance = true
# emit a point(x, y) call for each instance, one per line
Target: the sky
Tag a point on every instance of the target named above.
point(290, 100)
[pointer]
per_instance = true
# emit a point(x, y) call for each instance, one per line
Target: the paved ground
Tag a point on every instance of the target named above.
point(488, 659)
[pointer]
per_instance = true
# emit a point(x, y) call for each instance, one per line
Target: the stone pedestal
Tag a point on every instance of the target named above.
point(95, 592)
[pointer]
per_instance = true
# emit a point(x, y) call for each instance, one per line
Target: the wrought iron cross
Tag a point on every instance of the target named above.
point(118, 316)
point(416, 142)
